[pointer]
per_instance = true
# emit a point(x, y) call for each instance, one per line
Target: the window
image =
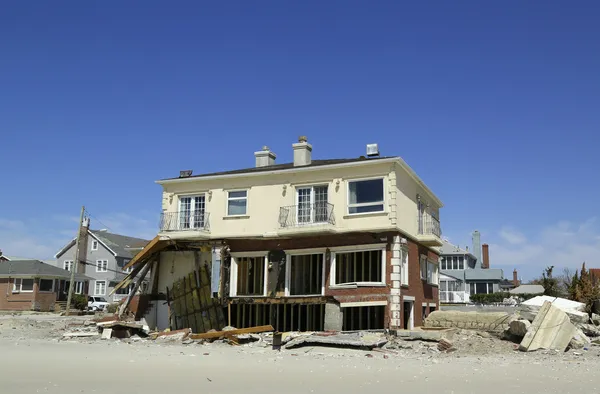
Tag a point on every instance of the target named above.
point(100, 288)
point(237, 203)
point(360, 267)
point(306, 274)
point(192, 212)
point(404, 267)
point(101, 265)
point(78, 287)
point(365, 196)
point(482, 288)
point(94, 245)
point(124, 291)
point(47, 285)
point(429, 271)
point(23, 285)
point(250, 276)
point(68, 264)
point(312, 204)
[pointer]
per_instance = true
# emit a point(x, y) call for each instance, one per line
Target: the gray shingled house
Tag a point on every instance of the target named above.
point(103, 256)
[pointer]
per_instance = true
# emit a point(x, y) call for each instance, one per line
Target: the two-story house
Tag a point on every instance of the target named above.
point(465, 272)
point(339, 244)
point(103, 257)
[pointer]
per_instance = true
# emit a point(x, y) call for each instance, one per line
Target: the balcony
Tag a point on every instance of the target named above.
point(454, 297)
point(307, 218)
point(184, 221)
point(429, 230)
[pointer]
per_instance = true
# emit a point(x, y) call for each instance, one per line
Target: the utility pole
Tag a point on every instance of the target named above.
point(75, 263)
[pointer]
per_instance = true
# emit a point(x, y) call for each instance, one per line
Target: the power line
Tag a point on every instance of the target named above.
point(98, 220)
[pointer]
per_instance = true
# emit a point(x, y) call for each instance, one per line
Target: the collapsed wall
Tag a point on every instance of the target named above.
point(484, 321)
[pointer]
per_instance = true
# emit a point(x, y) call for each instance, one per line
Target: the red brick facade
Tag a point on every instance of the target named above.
point(25, 301)
point(422, 292)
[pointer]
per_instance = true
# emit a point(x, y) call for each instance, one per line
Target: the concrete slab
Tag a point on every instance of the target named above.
point(106, 333)
point(361, 340)
point(561, 303)
point(426, 335)
point(476, 320)
point(551, 329)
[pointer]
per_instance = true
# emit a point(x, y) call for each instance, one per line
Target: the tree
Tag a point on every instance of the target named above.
point(586, 289)
point(551, 285)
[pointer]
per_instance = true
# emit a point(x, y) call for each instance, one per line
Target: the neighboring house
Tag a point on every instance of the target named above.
point(528, 289)
point(103, 256)
point(34, 285)
point(341, 244)
point(464, 273)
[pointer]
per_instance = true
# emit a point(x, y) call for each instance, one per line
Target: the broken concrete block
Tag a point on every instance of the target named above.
point(476, 320)
point(106, 333)
point(444, 345)
point(519, 328)
point(575, 310)
point(425, 335)
point(551, 329)
point(596, 319)
point(364, 340)
point(579, 340)
point(589, 330)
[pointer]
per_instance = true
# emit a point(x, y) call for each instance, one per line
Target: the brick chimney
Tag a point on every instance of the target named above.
point(302, 152)
point(485, 263)
point(515, 278)
point(265, 157)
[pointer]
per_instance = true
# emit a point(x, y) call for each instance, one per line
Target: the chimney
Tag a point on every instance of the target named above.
point(515, 278)
point(265, 157)
point(485, 263)
point(477, 246)
point(302, 152)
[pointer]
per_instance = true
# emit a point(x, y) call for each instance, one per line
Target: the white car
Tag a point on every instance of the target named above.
point(97, 304)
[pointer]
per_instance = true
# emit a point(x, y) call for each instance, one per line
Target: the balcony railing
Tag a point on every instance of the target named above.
point(184, 221)
point(429, 225)
point(306, 215)
point(458, 297)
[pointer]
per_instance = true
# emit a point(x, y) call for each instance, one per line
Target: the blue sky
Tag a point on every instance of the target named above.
point(494, 105)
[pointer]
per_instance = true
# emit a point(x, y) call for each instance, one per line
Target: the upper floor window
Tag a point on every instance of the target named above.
point(312, 204)
point(404, 267)
point(453, 263)
point(191, 212)
point(94, 245)
point(237, 203)
point(68, 264)
point(101, 265)
point(365, 196)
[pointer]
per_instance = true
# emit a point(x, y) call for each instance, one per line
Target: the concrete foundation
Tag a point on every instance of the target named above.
point(334, 318)
point(484, 321)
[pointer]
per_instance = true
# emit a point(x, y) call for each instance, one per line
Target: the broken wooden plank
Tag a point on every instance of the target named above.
point(219, 334)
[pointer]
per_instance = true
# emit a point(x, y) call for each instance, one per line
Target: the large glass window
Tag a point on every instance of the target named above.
point(312, 204)
point(191, 212)
point(47, 285)
point(365, 196)
point(237, 203)
point(359, 267)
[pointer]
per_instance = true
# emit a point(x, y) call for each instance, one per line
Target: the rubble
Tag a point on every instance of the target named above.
point(431, 335)
point(589, 330)
point(361, 339)
point(579, 340)
point(551, 329)
point(575, 310)
point(519, 328)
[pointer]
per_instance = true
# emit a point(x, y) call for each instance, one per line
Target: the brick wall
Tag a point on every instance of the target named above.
point(420, 290)
point(25, 301)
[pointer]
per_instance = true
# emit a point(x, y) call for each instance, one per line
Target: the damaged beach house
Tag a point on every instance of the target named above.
point(311, 245)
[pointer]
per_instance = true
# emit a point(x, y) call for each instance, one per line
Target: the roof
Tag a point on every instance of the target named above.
point(119, 245)
point(456, 274)
point(528, 289)
point(288, 166)
point(11, 258)
point(484, 274)
point(34, 268)
point(449, 249)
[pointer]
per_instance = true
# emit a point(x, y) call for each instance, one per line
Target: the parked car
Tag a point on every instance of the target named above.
point(97, 304)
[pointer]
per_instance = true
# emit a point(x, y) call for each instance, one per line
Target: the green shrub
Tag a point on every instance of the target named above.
point(112, 308)
point(79, 301)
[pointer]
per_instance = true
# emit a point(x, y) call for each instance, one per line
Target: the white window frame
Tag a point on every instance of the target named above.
point(233, 272)
point(352, 249)
point(236, 199)
point(358, 205)
point(95, 244)
point(288, 269)
point(46, 291)
point(312, 203)
point(18, 288)
point(99, 265)
point(423, 267)
point(192, 218)
point(78, 288)
point(429, 270)
point(96, 294)
point(404, 277)
point(69, 263)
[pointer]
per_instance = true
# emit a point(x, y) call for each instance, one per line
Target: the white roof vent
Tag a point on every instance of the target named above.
point(372, 150)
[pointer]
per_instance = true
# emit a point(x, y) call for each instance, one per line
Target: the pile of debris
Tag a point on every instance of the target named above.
point(109, 327)
point(552, 323)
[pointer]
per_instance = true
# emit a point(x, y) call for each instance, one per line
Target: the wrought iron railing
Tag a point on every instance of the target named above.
point(306, 215)
point(429, 225)
point(184, 221)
